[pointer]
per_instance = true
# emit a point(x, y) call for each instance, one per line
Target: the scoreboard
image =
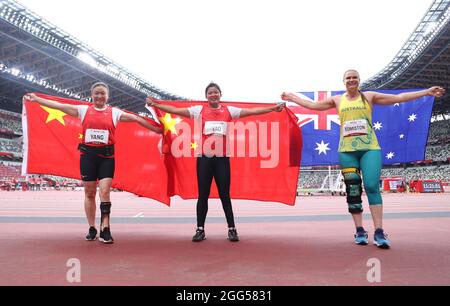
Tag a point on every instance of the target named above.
point(432, 187)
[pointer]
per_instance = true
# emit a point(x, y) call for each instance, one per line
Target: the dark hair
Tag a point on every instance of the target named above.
point(98, 84)
point(211, 85)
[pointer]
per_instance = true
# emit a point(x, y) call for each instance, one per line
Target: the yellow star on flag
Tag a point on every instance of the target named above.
point(194, 146)
point(54, 114)
point(80, 136)
point(170, 123)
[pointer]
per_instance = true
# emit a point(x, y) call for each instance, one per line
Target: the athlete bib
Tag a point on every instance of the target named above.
point(355, 128)
point(97, 136)
point(215, 127)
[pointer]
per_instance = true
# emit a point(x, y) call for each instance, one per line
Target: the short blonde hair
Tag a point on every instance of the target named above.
point(351, 70)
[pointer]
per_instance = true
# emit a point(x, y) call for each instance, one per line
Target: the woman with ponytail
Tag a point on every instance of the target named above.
point(359, 151)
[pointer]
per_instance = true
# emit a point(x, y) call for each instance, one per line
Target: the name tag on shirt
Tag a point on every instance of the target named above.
point(215, 127)
point(97, 136)
point(355, 128)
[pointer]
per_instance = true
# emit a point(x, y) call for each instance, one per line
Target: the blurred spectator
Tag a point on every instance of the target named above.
point(11, 146)
point(439, 132)
point(10, 123)
point(438, 152)
point(311, 179)
point(441, 173)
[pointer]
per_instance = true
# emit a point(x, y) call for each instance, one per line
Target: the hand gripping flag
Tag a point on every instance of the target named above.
point(51, 140)
point(265, 154)
point(401, 129)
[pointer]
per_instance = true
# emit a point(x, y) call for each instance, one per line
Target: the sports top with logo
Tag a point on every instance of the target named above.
point(99, 126)
point(357, 132)
point(214, 127)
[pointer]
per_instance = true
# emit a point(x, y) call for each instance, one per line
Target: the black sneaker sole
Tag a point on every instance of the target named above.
point(91, 239)
point(383, 246)
point(199, 240)
point(105, 241)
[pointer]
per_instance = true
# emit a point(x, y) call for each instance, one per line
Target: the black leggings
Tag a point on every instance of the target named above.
point(219, 168)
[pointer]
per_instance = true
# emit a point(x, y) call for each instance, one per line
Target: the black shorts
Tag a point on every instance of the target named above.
point(94, 167)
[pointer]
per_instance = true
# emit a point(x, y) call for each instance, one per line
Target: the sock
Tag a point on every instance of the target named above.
point(379, 231)
point(360, 229)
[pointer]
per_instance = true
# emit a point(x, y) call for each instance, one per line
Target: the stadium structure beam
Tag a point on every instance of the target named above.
point(47, 40)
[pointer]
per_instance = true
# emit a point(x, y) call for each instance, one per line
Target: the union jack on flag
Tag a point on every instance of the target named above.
point(322, 119)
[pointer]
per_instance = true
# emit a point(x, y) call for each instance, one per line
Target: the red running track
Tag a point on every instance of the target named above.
point(309, 244)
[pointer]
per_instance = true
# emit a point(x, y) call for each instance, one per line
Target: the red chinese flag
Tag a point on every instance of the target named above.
point(51, 140)
point(265, 154)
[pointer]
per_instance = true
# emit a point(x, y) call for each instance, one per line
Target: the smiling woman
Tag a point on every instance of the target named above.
point(214, 159)
point(359, 151)
point(97, 162)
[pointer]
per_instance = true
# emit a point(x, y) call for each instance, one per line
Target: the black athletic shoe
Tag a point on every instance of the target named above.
point(199, 236)
point(380, 239)
point(233, 235)
point(105, 236)
point(92, 235)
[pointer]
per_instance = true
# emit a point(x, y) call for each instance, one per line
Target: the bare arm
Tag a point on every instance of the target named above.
point(320, 106)
point(260, 110)
point(180, 111)
point(387, 99)
point(126, 117)
point(69, 109)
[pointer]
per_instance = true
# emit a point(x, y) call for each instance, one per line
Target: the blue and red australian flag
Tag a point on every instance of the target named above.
point(401, 129)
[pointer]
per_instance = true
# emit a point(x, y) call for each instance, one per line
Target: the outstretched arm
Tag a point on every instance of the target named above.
point(320, 106)
point(180, 111)
point(387, 99)
point(69, 109)
point(260, 110)
point(126, 117)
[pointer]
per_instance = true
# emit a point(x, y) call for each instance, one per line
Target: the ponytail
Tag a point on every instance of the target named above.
point(363, 97)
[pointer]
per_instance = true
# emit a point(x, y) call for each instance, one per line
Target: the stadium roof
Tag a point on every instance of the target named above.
point(424, 60)
point(37, 56)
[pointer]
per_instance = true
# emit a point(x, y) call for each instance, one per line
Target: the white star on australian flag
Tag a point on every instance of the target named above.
point(378, 126)
point(322, 147)
point(390, 155)
point(412, 118)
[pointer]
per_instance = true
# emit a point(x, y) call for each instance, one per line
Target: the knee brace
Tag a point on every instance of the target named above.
point(353, 183)
point(105, 209)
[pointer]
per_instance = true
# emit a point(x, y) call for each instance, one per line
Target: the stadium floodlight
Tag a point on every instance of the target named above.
point(86, 58)
point(30, 77)
point(15, 72)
